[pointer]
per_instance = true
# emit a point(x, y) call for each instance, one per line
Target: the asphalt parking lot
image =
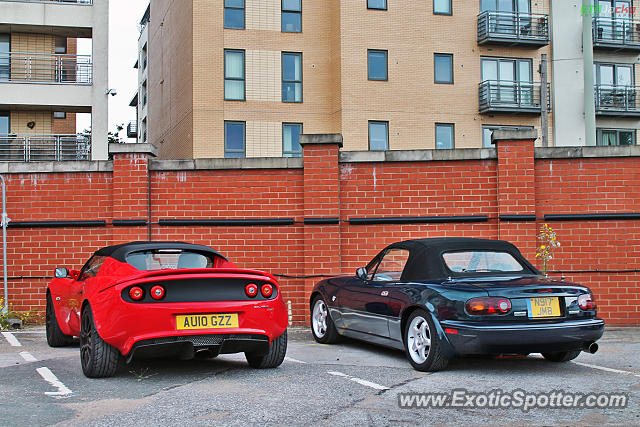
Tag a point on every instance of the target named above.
point(350, 383)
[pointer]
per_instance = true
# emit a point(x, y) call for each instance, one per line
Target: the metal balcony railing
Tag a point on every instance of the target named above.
point(617, 100)
point(82, 2)
point(510, 97)
point(513, 28)
point(132, 129)
point(45, 68)
point(34, 148)
point(616, 34)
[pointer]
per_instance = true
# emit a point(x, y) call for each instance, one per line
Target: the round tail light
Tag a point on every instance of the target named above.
point(267, 290)
point(157, 292)
point(484, 306)
point(586, 302)
point(136, 293)
point(251, 290)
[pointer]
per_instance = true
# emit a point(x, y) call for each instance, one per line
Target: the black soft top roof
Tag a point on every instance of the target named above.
point(425, 255)
point(119, 252)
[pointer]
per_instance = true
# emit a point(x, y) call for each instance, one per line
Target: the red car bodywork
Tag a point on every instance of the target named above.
point(123, 323)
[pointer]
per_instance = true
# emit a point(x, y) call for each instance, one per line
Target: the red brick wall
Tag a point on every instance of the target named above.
point(515, 184)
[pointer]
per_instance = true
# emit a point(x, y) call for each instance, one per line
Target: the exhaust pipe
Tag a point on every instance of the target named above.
point(590, 347)
point(204, 354)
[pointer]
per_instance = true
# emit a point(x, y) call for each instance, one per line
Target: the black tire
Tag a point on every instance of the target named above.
point(561, 356)
point(434, 360)
point(330, 334)
point(273, 358)
point(55, 337)
point(98, 358)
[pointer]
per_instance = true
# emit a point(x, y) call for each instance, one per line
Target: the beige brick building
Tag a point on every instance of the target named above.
point(488, 73)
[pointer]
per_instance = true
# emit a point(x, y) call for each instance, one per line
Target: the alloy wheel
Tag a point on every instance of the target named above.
point(419, 339)
point(320, 318)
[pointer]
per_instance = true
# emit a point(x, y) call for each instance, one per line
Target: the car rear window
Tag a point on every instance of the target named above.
point(480, 261)
point(161, 259)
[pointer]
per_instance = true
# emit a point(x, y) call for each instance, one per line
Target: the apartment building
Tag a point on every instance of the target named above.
point(243, 78)
point(139, 128)
point(44, 82)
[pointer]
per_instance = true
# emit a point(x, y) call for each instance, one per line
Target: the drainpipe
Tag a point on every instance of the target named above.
point(5, 220)
point(587, 54)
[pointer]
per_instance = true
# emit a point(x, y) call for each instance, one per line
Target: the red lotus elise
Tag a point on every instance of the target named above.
point(157, 299)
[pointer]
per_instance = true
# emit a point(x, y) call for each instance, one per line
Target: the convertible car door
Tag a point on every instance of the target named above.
point(78, 289)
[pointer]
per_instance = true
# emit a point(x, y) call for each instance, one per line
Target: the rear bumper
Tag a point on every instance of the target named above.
point(519, 339)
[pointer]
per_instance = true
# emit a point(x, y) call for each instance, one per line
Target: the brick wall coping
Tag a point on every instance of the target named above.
point(49, 167)
point(418, 155)
point(134, 148)
point(321, 138)
point(247, 163)
point(575, 152)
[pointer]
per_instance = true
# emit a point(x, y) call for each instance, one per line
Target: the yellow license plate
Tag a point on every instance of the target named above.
point(544, 307)
point(207, 321)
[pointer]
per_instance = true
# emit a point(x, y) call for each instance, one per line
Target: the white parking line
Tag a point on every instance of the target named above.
point(358, 380)
point(12, 340)
point(291, 359)
point(28, 356)
point(602, 368)
point(49, 377)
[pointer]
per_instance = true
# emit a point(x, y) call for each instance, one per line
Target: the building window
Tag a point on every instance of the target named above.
point(4, 122)
point(507, 6)
point(443, 68)
point(5, 61)
point(234, 75)
point(442, 7)
point(291, 140)
point(234, 14)
point(59, 115)
point(377, 64)
point(488, 130)
point(60, 45)
point(444, 136)
point(234, 139)
point(143, 91)
point(378, 136)
point(613, 75)
point(606, 137)
point(291, 77)
point(144, 130)
point(377, 4)
point(291, 16)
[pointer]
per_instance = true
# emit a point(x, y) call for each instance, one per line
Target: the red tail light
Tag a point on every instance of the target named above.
point(484, 305)
point(267, 290)
point(157, 292)
point(586, 302)
point(136, 293)
point(251, 290)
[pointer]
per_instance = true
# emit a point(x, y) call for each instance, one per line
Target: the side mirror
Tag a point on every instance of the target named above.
point(61, 273)
point(361, 273)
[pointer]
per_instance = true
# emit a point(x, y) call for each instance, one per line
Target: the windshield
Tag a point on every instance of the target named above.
point(160, 259)
point(481, 262)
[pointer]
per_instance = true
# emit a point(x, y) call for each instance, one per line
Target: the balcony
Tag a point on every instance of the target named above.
point(513, 29)
point(132, 129)
point(616, 34)
point(617, 101)
point(44, 68)
point(511, 97)
point(35, 148)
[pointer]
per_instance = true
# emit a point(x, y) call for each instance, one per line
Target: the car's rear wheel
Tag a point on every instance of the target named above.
point(273, 358)
point(561, 356)
point(98, 358)
point(55, 337)
point(322, 327)
point(422, 344)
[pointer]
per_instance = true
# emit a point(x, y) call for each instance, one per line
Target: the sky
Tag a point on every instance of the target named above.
point(124, 17)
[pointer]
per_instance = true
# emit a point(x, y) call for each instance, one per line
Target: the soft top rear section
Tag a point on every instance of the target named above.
point(120, 252)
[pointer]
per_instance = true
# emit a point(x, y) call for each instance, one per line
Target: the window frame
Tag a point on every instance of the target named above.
point(293, 153)
point(283, 81)
point(381, 260)
point(386, 123)
point(443, 13)
point(6, 114)
point(7, 68)
point(386, 66)
point(244, 74)
point(244, 139)
point(89, 266)
point(386, 6)
point(516, 63)
point(435, 73)
point(283, 11)
point(244, 15)
point(62, 113)
point(599, 132)
point(453, 135)
point(597, 74)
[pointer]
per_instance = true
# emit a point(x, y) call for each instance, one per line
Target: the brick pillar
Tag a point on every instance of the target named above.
point(516, 188)
point(321, 206)
point(130, 190)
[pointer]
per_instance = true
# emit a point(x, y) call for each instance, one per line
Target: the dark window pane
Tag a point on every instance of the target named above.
point(291, 140)
point(443, 68)
point(291, 67)
point(626, 138)
point(292, 5)
point(444, 137)
point(4, 57)
point(234, 3)
point(442, 6)
point(234, 19)
point(377, 65)
point(377, 4)
point(234, 136)
point(291, 92)
point(291, 22)
point(378, 136)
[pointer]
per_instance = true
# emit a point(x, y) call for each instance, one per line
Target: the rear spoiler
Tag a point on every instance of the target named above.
point(180, 271)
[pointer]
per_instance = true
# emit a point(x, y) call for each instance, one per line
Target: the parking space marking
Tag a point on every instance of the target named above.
point(291, 359)
point(603, 368)
point(12, 340)
point(49, 377)
point(358, 380)
point(28, 356)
